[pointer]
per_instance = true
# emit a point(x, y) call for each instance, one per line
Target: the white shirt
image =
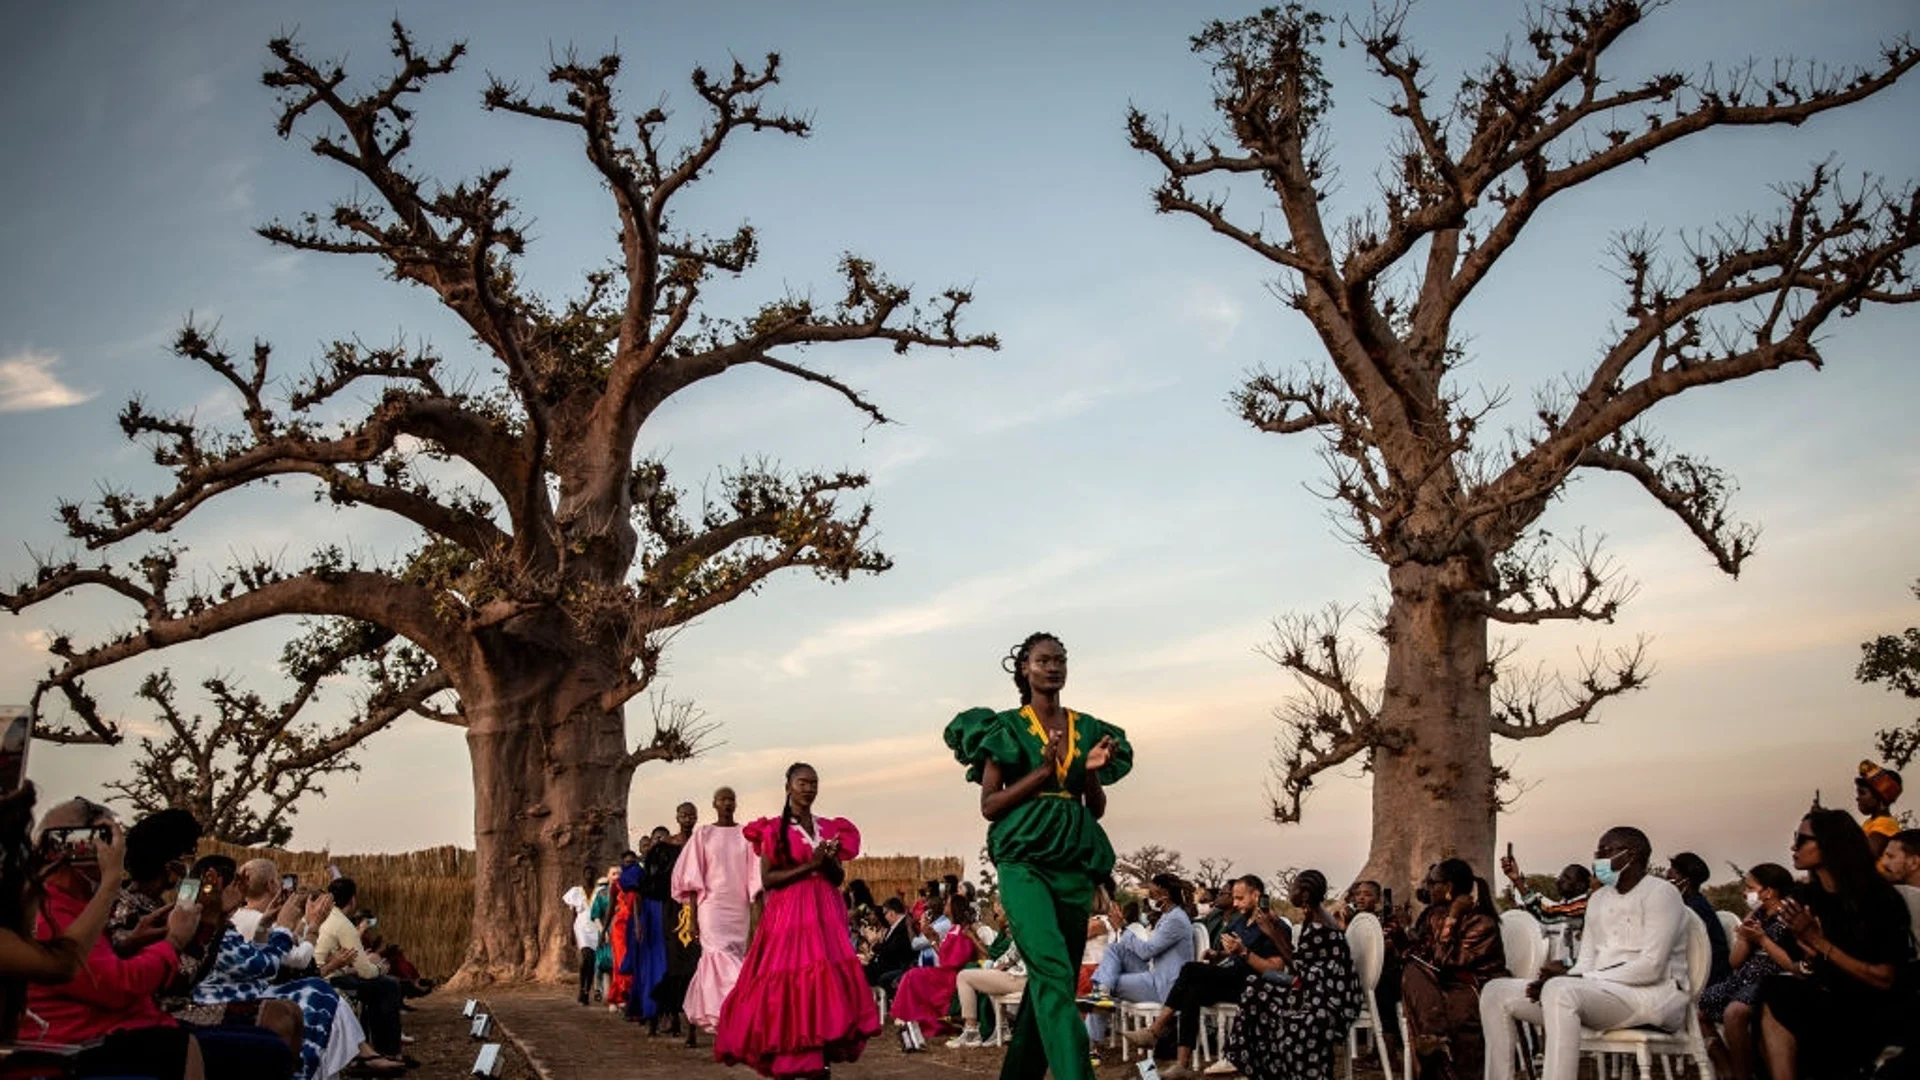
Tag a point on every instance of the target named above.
point(586, 932)
point(299, 958)
point(1912, 896)
point(1636, 943)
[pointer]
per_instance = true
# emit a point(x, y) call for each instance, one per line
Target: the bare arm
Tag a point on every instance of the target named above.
point(999, 798)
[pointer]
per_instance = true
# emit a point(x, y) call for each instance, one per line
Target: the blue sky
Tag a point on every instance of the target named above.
point(1088, 479)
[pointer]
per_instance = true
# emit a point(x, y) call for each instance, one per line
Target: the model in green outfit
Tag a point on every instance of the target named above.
point(1043, 771)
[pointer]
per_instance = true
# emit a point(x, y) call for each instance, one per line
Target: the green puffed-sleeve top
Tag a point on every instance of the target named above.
point(1054, 828)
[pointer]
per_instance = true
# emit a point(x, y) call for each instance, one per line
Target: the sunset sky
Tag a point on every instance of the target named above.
point(1088, 479)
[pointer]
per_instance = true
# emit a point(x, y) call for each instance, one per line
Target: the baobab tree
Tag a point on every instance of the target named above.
point(540, 594)
point(1450, 509)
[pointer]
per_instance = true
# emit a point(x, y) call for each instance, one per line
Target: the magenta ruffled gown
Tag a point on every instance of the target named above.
point(927, 992)
point(802, 1002)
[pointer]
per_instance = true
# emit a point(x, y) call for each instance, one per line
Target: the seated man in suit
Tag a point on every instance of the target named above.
point(895, 953)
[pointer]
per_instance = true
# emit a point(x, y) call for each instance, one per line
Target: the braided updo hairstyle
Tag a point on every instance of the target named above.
point(835, 874)
point(1016, 659)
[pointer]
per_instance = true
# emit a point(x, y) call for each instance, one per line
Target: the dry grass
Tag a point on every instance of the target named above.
point(425, 898)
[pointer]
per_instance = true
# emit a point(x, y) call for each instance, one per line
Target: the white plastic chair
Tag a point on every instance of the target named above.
point(880, 1002)
point(1730, 923)
point(1643, 1043)
point(1004, 1008)
point(1368, 943)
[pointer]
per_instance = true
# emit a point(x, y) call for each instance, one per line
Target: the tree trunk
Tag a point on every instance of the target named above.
point(1433, 783)
point(550, 786)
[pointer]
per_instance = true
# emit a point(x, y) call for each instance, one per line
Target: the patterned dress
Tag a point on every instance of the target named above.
point(1289, 1032)
point(244, 971)
point(1743, 983)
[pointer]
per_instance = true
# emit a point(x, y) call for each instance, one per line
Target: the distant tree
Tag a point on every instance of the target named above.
point(1211, 873)
point(989, 879)
point(549, 574)
point(1894, 661)
point(1137, 867)
point(1449, 508)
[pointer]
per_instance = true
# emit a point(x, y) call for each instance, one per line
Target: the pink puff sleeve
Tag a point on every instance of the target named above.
point(759, 834)
point(844, 831)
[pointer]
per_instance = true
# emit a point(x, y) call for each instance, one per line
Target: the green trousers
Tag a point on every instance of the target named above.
point(1047, 911)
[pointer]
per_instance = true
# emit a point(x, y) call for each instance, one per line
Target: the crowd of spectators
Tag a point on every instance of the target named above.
point(123, 956)
point(1813, 973)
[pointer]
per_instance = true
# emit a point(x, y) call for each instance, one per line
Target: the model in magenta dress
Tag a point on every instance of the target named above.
point(802, 1002)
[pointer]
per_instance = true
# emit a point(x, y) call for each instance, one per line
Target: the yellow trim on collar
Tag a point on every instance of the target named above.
point(1040, 732)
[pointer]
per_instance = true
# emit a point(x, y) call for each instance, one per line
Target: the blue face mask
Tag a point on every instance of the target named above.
point(1604, 873)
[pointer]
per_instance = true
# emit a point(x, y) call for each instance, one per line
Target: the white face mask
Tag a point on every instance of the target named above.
point(1203, 908)
point(1753, 900)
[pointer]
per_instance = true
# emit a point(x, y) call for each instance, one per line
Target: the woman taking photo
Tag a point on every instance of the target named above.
point(1763, 946)
point(1852, 927)
point(802, 1001)
point(1043, 771)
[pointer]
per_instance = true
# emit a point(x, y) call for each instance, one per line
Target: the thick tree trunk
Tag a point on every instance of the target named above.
point(550, 786)
point(1433, 784)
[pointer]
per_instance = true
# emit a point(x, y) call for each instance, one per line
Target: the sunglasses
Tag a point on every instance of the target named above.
point(1801, 840)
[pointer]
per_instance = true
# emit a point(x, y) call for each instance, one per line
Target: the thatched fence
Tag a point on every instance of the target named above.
point(425, 898)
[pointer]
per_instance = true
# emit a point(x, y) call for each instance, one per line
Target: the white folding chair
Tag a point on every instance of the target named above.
point(1004, 1008)
point(1368, 943)
point(880, 1002)
point(1730, 923)
point(1132, 1015)
point(1643, 1043)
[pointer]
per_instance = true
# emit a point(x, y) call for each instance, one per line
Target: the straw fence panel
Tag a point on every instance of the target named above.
point(424, 899)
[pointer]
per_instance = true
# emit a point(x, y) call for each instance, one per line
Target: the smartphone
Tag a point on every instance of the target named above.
point(289, 882)
point(371, 923)
point(188, 892)
point(1386, 899)
point(1509, 849)
point(16, 735)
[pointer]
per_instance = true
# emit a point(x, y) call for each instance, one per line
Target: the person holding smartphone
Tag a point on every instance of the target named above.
point(1043, 771)
point(110, 1001)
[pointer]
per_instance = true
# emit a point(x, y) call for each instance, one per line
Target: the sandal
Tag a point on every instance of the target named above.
point(375, 1066)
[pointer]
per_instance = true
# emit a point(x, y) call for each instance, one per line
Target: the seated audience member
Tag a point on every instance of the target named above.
point(1562, 919)
point(1006, 975)
point(243, 973)
point(1854, 930)
point(894, 954)
point(1293, 1018)
point(925, 993)
point(1456, 951)
point(1103, 928)
point(1900, 864)
point(159, 847)
point(392, 958)
point(1253, 944)
point(1143, 969)
point(1688, 873)
point(1875, 791)
point(1210, 909)
point(364, 977)
point(1763, 946)
point(1631, 970)
point(932, 929)
point(109, 1000)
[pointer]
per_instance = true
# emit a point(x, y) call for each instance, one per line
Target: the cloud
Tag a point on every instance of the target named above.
point(956, 605)
point(1072, 403)
point(28, 384)
point(1216, 313)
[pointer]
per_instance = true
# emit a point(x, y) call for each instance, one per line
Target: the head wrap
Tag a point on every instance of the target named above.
point(1884, 783)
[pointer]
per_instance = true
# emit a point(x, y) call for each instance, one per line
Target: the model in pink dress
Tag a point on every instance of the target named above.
point(719, 874)
point(802, 1002)
point(926, 993)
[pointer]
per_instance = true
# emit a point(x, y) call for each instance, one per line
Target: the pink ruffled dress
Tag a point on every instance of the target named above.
point(926, 992)
point(802, 1002)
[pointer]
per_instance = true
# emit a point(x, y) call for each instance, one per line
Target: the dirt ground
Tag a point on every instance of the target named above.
point(549, 1036)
